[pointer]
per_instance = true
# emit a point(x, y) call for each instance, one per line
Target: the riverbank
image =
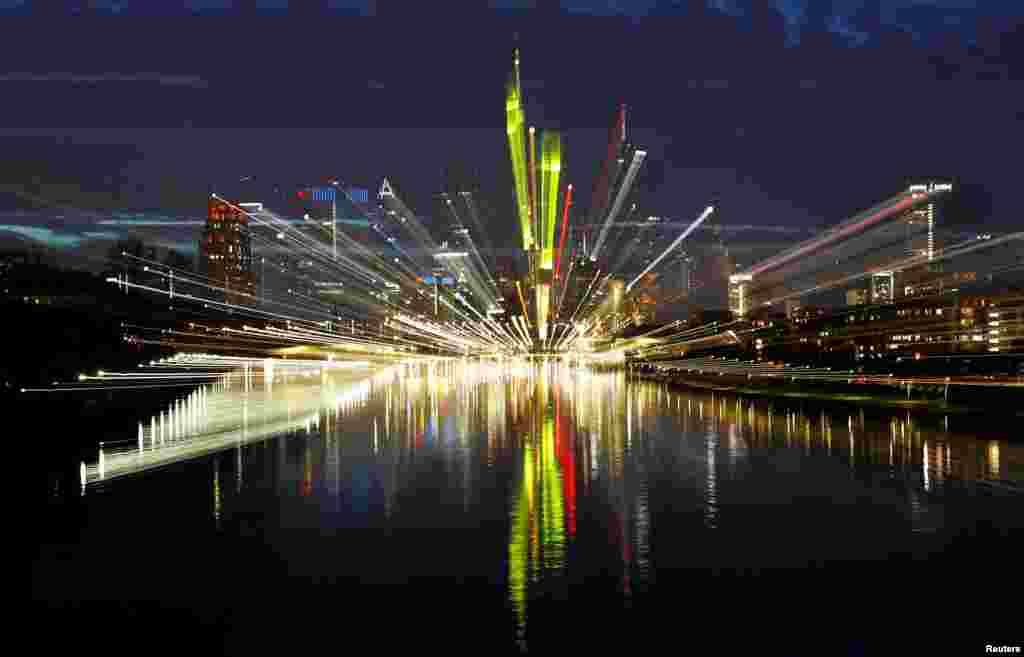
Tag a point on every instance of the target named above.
point(68, 425)
point(930, 399)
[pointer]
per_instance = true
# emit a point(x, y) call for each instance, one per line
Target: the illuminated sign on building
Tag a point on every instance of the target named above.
point(357, 195)
point(932, 187)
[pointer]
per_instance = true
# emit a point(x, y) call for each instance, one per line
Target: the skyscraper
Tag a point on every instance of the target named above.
point(921, 220)
point(580, 278)
point(226, 251)
point(710, 278)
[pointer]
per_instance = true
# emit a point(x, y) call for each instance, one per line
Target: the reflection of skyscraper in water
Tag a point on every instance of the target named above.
point(565, 441)
point(641, 523)
point(538, 540)
point(711, 483)
point(216, 492)
point(307, 471)
point(333, 466)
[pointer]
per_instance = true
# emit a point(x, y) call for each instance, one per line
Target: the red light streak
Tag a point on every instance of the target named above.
point(860, 225)
point(565, 439)
point(565, 224)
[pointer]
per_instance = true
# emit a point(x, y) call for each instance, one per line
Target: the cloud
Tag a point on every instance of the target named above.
point(841, 26)
point(731, 7)
point(44, 235)
point(78, 78)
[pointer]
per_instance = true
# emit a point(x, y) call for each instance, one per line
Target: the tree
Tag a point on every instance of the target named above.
point(119, 255)
point(178, 261)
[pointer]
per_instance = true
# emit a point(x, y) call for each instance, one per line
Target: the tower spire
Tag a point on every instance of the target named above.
point(516, 65)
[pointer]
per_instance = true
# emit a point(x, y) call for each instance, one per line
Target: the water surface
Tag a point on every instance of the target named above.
point(510, 507)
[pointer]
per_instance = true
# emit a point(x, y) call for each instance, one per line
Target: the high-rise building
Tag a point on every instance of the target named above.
point(226, 251)
point(609, 167)
point(685, 270)
point(645, 299)
point(883, 287)
point(710, 278)
point(921, 220)
point(581, 276)
point(739, 302)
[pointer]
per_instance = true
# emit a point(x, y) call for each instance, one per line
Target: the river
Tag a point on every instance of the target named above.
point(507, 507)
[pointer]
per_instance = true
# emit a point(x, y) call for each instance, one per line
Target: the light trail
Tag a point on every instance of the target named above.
point(752, 369)
point(515, 121)
point(949, 253)
point(564, 231)
point(627, 183)
point(679, 240)
point(311, 368)
point(531, 155)
point(217, 418)
point(850, 227)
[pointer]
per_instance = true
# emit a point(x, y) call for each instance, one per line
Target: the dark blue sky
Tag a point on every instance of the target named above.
point(782, 112)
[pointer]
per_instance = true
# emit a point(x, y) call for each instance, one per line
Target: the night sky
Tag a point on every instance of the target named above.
point(786, 112)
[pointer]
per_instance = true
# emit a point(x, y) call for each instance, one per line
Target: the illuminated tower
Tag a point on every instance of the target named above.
point(614, 187)
point(547, 213)
point(537, 173)
point(226, 251)
point(606, 176)
point(921, 220)
point(514, 125)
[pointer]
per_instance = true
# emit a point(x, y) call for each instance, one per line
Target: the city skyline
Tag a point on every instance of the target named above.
point(520, 311)
point(708, 142)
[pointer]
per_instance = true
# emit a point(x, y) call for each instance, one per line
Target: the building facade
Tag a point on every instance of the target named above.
point(226, 252)
point(920, 221)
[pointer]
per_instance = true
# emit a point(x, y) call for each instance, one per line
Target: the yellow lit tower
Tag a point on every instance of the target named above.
point(537, 196)
point(514, 123)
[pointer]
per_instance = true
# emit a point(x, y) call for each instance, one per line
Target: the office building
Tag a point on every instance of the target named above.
point(226, 251)
point(883, 287)
point(921, 220)
point(739, 302)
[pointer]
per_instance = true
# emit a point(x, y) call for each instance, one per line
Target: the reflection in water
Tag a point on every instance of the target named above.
point(582, 457)
point(216, 492)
